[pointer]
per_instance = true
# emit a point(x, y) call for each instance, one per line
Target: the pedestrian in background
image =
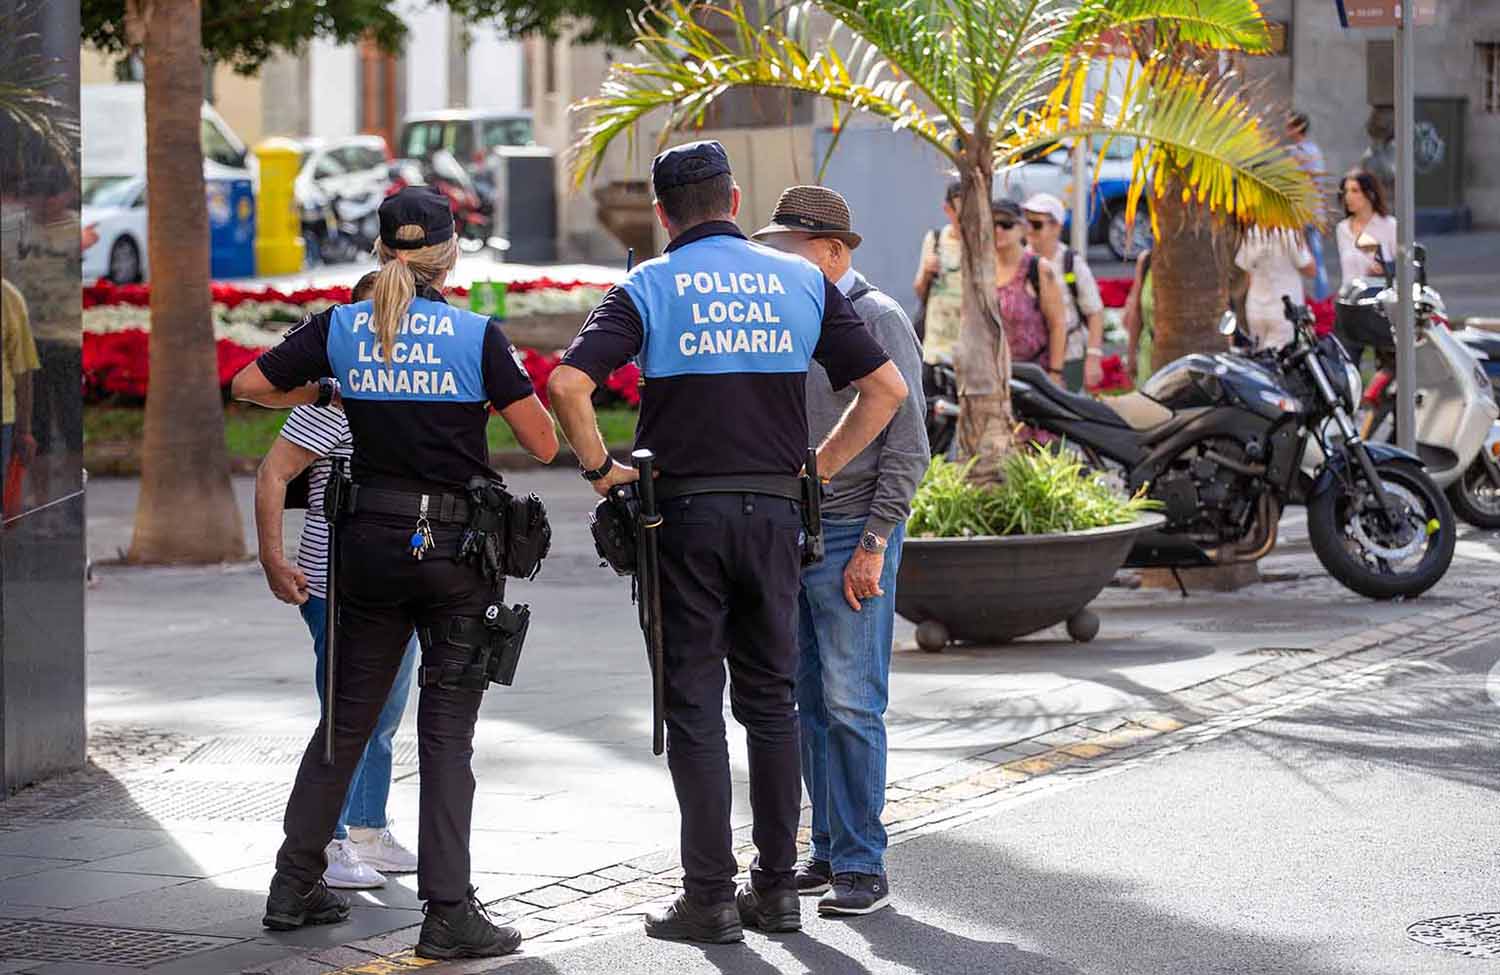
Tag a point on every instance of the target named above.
point(1275, 263)
point(939, 283)
point(1030, 298)
point(1139, 320)
point(847, 609)
point(1365, 212)
point(1310, 158)
point(725, 410)
point(1082, 303)
point(312, 437)
point(18, 361)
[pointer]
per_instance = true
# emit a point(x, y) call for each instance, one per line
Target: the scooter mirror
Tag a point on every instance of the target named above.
point(1228, 324)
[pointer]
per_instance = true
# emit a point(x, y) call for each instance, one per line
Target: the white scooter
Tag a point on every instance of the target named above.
point(1457, 433)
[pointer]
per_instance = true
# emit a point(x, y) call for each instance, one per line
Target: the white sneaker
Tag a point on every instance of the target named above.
point(347, 870)
point(380, 849)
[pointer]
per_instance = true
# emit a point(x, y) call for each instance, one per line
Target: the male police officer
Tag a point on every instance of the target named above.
point(723, 329)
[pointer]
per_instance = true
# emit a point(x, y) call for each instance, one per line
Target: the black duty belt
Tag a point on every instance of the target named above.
point(449, 509)
point(787, 486)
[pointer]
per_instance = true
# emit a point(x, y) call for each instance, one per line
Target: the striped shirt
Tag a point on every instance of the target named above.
point(324, 431)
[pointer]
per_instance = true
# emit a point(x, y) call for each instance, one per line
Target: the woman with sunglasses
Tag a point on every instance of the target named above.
point(1030, 299)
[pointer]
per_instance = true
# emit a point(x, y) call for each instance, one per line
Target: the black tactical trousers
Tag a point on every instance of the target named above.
point(383, 594)
point(730, 572)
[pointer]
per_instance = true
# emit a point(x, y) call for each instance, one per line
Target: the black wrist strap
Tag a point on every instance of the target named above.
point(326, 388)
point(603, 469)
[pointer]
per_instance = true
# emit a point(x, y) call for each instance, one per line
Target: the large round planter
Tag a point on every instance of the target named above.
point(990, 589)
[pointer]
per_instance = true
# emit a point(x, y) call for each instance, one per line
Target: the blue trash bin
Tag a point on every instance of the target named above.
point(231, 228)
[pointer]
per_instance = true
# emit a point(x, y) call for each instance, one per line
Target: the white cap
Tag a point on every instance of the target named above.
point(1044, 203)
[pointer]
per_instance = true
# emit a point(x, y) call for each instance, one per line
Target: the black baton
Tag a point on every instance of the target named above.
point(333, 507)
point(649, 578)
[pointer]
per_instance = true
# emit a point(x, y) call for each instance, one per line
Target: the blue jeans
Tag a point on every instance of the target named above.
point(364, 806)
point(1315, 247)
point(843, 682)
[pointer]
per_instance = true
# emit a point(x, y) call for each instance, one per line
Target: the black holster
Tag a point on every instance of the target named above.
point(490, 646)
point(505, 535)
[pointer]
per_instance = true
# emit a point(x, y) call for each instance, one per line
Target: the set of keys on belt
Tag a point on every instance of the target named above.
point(421, 539)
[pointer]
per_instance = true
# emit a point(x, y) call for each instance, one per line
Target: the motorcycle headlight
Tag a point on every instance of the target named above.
point(1354, 384)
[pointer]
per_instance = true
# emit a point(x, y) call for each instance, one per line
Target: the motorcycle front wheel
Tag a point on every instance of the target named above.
point(1475, 499)
point(1363, 549)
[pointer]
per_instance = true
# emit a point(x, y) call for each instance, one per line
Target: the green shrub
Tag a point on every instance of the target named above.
point(1045, 491)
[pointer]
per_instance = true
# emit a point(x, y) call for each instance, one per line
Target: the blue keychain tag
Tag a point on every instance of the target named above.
point(421, 539)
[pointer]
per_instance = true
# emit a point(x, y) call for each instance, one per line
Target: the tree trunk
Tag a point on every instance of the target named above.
point(982, 357)
point(186, 511)
point(1190, 275)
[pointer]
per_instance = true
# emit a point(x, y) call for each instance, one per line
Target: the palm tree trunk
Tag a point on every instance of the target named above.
point(186, 511)
point(982, 357)
point(1190, 274)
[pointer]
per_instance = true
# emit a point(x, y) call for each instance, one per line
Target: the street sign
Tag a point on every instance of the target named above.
point(1384, 13)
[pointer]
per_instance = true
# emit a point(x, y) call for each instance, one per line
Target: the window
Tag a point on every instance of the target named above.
point(1489, 77)
point(507, 132)
point(216, 146)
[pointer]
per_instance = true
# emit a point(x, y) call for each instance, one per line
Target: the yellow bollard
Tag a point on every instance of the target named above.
point(278, 226)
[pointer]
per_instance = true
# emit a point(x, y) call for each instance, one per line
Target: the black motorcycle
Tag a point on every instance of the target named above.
point(1225, 442)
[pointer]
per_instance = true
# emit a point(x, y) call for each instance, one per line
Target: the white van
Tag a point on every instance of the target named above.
point(114, 175)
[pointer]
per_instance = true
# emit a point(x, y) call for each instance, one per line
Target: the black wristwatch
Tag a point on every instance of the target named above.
point(872, 543)
point(326, 388)
point(598, 473)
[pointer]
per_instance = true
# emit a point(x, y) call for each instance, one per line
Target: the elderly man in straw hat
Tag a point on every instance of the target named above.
point(846, 612)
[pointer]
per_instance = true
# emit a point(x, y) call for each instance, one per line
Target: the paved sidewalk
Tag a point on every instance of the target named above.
point(200, 706)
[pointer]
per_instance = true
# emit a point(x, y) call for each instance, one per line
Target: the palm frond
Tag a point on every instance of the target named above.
point(1221, 25)
point(27, 79)
point(682, 66)
point(1184, 118)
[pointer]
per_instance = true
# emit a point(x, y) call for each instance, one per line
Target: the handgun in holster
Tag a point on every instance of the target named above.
point(489, 648)
point(812, 512)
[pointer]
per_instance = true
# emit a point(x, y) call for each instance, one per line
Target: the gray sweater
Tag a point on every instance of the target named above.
point(878, 484)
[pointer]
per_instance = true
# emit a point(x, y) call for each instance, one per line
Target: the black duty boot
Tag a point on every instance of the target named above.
point(687, 920)
point(464, 930)
point(775, 912)
point(288, 908)
point(814, 877)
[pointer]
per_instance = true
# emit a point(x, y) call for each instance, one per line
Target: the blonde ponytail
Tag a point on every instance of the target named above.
point(396, 284)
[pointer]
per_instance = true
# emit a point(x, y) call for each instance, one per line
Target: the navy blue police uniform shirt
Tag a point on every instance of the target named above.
point(723, 329)
point(421, 423)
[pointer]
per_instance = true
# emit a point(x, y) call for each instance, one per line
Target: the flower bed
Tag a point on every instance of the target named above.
point(117, 327)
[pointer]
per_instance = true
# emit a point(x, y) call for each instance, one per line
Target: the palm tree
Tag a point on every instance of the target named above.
point(186, 511)
point(985, 83)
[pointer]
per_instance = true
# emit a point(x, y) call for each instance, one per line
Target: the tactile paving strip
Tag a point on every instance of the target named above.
point(158, 801)
point(275, 750)
point(45, 941)
point(1474, 935)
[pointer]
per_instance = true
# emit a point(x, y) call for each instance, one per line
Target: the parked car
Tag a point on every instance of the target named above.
point(468, 133)
point(1052, 172)
point(114, 209)
point(114, 176)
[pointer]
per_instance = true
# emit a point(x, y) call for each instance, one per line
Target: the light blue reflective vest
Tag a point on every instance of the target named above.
point(724, 304)
point(438, 356)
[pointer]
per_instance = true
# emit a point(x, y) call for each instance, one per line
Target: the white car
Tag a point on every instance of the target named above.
point(114, 208)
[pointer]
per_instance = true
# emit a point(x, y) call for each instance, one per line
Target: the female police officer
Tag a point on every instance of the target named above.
point(417, 379)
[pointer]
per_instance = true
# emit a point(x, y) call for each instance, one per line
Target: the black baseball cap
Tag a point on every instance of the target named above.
point(420, 206)
point(693, 162)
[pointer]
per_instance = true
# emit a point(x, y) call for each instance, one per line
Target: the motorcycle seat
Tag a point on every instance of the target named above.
point(1139, 411)
point(1085, 406)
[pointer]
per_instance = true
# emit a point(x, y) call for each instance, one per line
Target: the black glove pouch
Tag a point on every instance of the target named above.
point(613, 525)
point(528, 536)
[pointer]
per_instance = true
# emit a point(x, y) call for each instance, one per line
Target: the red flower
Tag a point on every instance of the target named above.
point(625, 382)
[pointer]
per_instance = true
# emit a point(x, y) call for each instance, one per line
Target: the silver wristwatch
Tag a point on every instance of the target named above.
point(872, 543)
